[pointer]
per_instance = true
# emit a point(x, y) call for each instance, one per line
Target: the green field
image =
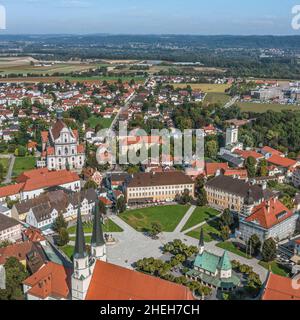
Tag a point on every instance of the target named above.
point(5, 163)
point(216, 97)
point(105, 78)
point(23, 164)
point(109, 226)
point(105, 123)
point(210, 231)
point(275, 268)
point(229, 246)
point(87, 239)
point(167, 216)
point(200, 215)
point(68, 250)
point(264, 107)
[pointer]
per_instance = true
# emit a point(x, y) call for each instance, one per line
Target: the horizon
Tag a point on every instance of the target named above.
point(133, 17)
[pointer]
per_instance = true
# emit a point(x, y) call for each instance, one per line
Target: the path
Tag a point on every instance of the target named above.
point(185, 219)
point(12, 159)
point(231, 102)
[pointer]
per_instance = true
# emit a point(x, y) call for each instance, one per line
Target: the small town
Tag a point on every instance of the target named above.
point(158, 165)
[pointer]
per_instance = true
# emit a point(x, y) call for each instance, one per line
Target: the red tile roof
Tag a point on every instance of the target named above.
point(246, 154)
point(111, 282)
point(212, 168)
point(52, 280)
point(11, 190)
point(106, 201)
point(243, 174)
point(34, 235)
point(280, 288)
point(282, 162)
point(269, 213)
point(17, 250)
point(272, 151)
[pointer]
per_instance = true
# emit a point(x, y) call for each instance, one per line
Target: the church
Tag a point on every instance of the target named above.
point(93, 278)
point(61, 149)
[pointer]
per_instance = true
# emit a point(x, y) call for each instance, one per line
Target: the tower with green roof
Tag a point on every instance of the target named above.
point(225, 266)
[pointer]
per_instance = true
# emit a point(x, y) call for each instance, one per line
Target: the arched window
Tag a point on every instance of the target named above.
point(66, 151)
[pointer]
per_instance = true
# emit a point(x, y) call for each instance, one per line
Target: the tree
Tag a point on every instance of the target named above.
point(226, 218)
point(155, 229)
point(263, 168)
point(250, 165)
point(90, 185)
point(254, 244)
point(63, 237)
point(1, 171)
point(202, 198)
point(15, 273)
point(269, 250)
point(59, 223)
point(121, 204)
point(287, 201)
point(185, 198)
point(102, 207)
point(225, 232)
point(212, 148)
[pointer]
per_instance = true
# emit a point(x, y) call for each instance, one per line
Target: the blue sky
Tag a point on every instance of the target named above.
point(150, 16)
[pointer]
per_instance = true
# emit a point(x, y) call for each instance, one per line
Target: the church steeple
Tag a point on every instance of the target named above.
point(97, 235)
point(201, 242)
point(98, 247)
point(80, 251)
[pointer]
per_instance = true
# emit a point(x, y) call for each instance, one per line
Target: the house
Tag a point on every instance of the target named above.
point(31, 184)
point(213, 270)
point(10, 229)
point(285, 165)
point(270, 219)
point(225, 192)
point(268, 152)
point(116, 180)
point(212, 168)
point(93, 278)
point(157, 187)
point(296, 177)
point(281, 288)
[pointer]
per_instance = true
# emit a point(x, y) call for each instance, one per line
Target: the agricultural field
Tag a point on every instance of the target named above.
point(167, 216)
point(205, 87)
point(264, 107)
point(216, 98)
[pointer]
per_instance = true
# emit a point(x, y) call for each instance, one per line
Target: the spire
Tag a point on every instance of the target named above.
point(201, 241)
point(97, 236)
point(225, 263)
point(79, 251)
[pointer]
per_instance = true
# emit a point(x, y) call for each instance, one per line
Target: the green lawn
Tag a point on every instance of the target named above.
point(68, 250)
point(23, 164)
point(210, 231)
point(109, 226)
point(167, 216)
point(275, 268)
point(105, 123)
point(200, 215)
point(264, 107)
point(87, 239)
point(229, 246)
point(5, 163)
point(216, 97)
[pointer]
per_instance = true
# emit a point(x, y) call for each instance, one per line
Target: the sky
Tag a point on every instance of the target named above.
point(237, 17)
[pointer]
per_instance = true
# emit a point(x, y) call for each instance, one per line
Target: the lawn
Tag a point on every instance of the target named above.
point(23, 164)
point(167, 216)
point(5, 163)
point(68, 250)
point(229, 246)
point(264, 107)
point(210, 231)
point(200, 215)
point(216, 97)
point(105, 78)
point(205, 87)
point(109, 226)
point(87, 239)
point(275, 267)
point(105, 123)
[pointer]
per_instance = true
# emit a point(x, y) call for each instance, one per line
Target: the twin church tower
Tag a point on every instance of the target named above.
point(83, 261)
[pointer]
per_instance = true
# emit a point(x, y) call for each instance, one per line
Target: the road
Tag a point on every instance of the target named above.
point(231, 102)
point(12, 159)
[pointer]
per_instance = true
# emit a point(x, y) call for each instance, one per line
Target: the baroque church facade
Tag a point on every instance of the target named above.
point(61, 149)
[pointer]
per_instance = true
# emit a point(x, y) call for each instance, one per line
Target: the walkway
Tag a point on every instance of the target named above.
point(12, 159)
point(185, 219)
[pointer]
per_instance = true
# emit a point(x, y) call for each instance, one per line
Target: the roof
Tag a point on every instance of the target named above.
point(52, 280)
point(43, 178)
point(269, 213)
point(272, 151)
point(235, 186)
point(97, 235)
point(57, 127)
point(282, 162)
point(207, 261)
point(17, 250)
point(7, 222)
point(280, 288)
point(242, 173)
point(111, 282)
point(148, 179)
point(225, 263)
point(34, 234)
point(212, 168)
point(11, 190)
point(246, 154)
